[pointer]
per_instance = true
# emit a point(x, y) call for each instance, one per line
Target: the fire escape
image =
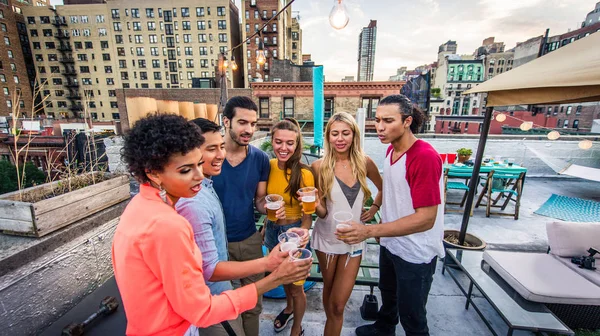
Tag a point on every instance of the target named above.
point(66, 59)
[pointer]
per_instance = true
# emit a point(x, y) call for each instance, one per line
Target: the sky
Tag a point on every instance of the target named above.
point(409, 32)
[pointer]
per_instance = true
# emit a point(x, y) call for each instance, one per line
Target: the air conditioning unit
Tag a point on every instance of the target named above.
point(277, 80)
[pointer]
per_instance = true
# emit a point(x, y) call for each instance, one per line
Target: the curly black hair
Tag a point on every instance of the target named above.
point(153, 139)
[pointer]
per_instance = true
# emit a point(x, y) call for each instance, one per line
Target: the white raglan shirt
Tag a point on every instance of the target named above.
point(415, 180)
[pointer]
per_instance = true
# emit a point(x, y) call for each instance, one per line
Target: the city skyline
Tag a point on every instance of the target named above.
point(399, 44)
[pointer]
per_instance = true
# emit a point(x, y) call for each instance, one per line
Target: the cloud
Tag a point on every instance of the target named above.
point(409, 32)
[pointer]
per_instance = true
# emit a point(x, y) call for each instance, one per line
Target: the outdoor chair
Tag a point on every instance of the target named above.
point(504, 184)
point(456, 173)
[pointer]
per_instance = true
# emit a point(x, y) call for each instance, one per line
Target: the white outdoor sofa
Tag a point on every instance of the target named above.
point(571, 293)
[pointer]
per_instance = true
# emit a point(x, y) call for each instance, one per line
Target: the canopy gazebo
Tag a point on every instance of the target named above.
point(568, 75)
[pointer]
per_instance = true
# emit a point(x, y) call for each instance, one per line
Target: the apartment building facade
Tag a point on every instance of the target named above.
point(16, 65)
point(281, 37)
point(84, 53)
point(367, 41)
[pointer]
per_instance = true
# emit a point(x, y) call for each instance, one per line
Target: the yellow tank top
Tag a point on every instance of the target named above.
point(277, 184)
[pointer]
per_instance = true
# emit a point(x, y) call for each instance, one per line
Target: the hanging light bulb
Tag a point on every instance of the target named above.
point(553, 135)
point(260, 57)
point(338, 17)
point(526, 126)
point(500, 117)
point(234, 65)
point(225, 62)
point(585, 144)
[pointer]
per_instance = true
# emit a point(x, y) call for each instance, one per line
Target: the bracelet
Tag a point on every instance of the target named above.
point(377, 205)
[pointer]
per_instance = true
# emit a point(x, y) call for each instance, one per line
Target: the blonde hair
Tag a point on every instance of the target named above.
point(358, 159)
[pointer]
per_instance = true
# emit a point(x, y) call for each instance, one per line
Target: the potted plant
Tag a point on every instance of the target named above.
point(464, 154)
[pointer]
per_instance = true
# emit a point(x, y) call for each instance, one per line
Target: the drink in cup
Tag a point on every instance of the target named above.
point(342, 220)
point(309, 197)
point(288, 241)
point(510, 162)
point(300, 232)
point(274, 203)
point(299, 254)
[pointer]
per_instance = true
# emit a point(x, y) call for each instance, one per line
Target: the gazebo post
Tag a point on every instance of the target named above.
point(475, 176)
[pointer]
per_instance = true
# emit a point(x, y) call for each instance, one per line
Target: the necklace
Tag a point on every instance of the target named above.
point(344, 165)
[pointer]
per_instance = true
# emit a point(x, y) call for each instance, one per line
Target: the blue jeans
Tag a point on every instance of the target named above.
point(404, 290)
point(274, 230)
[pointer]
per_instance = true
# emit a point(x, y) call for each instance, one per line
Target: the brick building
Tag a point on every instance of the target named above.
point(576, 117)
point(278, 100)
point(17, 71)
point(281, 38)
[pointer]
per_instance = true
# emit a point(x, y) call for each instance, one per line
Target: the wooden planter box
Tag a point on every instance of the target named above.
point(43, 217)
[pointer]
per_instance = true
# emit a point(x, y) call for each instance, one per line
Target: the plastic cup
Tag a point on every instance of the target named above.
point(451, 158)
point(288, 241)
point(444, 158)
point(342, 218)
point(309, 198)
point(299, 254)
point(510, 162)
point(300, 232)
point(274, 203)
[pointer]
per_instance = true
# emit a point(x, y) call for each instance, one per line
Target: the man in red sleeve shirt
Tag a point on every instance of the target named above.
point(412, 221)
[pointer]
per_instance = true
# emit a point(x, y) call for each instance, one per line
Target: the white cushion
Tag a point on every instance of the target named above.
point(541, 277)
point(591, 275)
point(567, 239)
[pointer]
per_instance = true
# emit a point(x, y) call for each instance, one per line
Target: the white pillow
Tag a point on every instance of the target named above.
point(572, 239)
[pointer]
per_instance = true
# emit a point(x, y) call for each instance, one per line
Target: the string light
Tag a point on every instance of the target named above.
point(501, 117)
point(338, 17)
point(585, 144)
point(234, 65)
point(553, 135)
point(260, 57)
point(526, 126)
point(225, 62)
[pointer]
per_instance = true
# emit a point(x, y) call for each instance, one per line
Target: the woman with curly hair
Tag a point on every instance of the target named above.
point(157, 265)
point(288, 174)
point(342, 179)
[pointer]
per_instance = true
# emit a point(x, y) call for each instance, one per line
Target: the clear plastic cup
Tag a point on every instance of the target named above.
point(274, 203)
point(299, 254)
point(288, 241)
point(342, 220)
point(309, 198)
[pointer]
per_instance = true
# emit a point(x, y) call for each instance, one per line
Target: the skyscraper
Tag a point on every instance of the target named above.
point(366, 52)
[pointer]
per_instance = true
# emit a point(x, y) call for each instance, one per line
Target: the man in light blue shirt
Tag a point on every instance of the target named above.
point(205, 214)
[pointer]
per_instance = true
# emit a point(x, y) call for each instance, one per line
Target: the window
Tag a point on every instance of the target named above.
point(199, 11)
point(153, 39)
point(222, 24)
point(201, 37)
point(16, 79)
point(187, 38)
point(263, 106)
point(124, 75)
point(137, 26)
point(222, 37)
point(370, 105)
point(86, 81)
point(114, 105)
point(186, 25)
point(185, 12)
point(6, 41)
point(9, 103)
point(256, 14)
point(103, 44)
point(151, 25)
point(57, 81)
point(84, 69)
point(256, 28)
point(156, 63)
point(139, 39)
point(143, 75)
point(329, 107)
point(3, 79)
point(204, 63)
point(555, 110)
point(122, 64)
point(13, 67)
point(89, 45)
point(569, 110)
point(74, 19)
point(117, 26)
point(6, 92)
point(52, 58)
point(274, 27)
point(566, 123)
point(188, 51)
point(37, 45)
point(189, 63)
point(288, 107)
point(139, 51)
point(82, 57)
point(149, 12)
point(220, 11)
point(135, 13)
point(108, 69)
point(157, 75)
point(115, 13)
point(549, 112)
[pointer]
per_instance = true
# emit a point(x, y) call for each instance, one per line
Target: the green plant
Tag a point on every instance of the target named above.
point(266, 146)
point(464, 151)
point(435, 92)
point(30, 176)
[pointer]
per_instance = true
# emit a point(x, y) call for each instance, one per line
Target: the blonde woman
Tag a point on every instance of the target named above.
point(342, 181)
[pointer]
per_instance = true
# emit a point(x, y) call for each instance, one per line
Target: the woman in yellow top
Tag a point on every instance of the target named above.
point(288, 174)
